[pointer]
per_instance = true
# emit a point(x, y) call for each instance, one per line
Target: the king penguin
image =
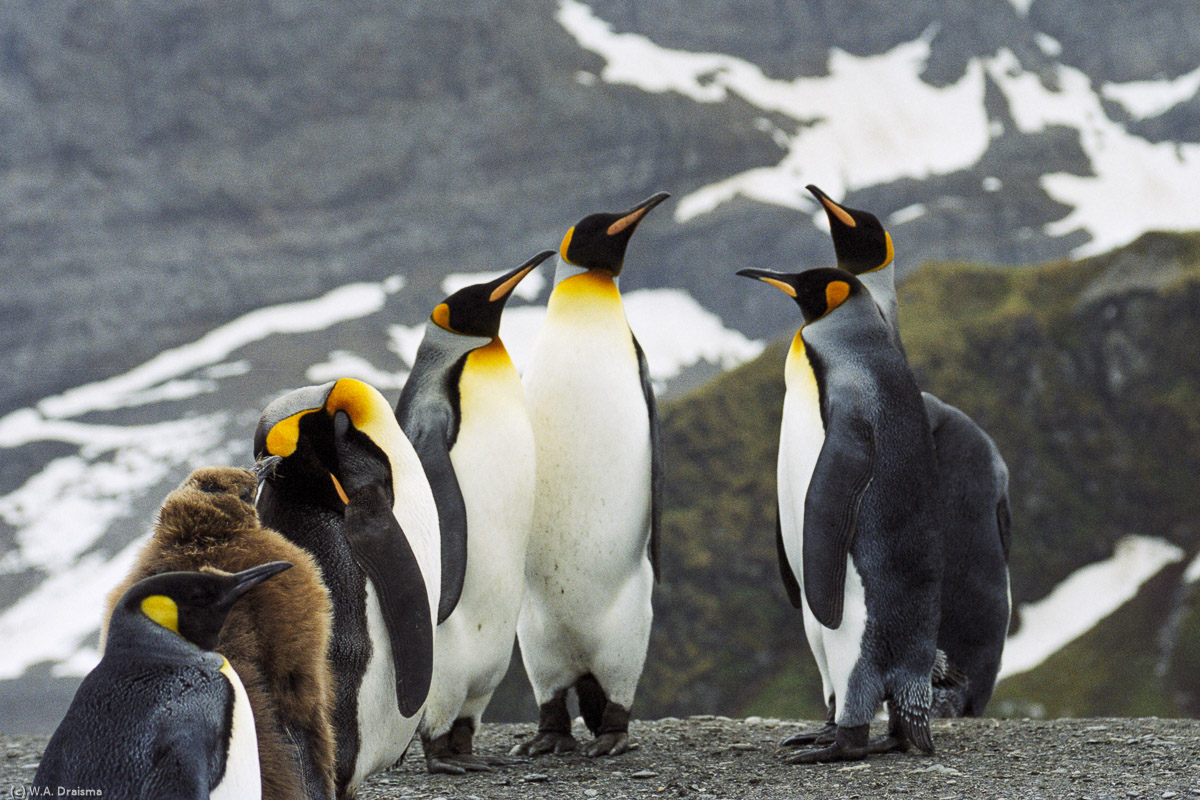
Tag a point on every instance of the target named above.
point(346, 485)
point(162, 715)
point(275, 638)
point(857, 537)
point(464, 410)
point(593, 549)
point(976, 603)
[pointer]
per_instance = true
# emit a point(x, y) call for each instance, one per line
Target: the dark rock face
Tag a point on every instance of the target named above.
point(168, 166)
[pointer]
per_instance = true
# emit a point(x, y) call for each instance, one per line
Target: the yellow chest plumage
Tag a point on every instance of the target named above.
point(488, 377)
point(798, 375)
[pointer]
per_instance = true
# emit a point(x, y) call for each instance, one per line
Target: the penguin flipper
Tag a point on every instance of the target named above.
point(382, 551)
point(843, 472)
point(785, 566)
point(656, 460)
point(432, 443)
point(384, 554)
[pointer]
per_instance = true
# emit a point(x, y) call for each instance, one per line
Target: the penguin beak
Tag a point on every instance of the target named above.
point(247, 579)
point(264, 468)
point(504, 285)
point(633, 216)
point(835, 212)
point(776, 279)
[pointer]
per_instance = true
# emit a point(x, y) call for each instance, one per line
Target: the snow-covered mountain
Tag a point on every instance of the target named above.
point(203, 206)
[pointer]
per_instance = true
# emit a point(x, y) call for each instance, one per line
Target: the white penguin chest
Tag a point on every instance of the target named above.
point(242, 779)
point(493, 458)
point(801, 437)
point(384, 733)
point(591, 427)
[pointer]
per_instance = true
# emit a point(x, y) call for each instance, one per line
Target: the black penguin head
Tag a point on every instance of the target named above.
point(599, 241)
point(817, 291)
point(859, 240)
point(475, 310)
point(312, 430)
point(194, 604)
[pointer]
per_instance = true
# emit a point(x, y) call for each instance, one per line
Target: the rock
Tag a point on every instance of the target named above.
point(535, 777)
point(643, 774)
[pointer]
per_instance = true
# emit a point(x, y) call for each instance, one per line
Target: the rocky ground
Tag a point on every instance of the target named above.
point(715, 757)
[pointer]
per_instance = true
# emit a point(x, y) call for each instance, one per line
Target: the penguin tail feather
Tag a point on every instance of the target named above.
point(911, 711)
point(950, 687)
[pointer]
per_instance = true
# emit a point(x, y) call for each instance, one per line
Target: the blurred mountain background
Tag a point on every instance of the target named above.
point(205, 205)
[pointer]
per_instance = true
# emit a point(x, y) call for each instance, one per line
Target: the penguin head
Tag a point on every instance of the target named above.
point(598, 241)
point(192, 604)
point(817, 291)
point(859, 240)
point(212, 507)
point(475, 310)
point(329, 439)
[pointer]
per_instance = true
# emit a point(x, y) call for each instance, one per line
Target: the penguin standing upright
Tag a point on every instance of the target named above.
point(275, 639)
point(858, 506)
point(464, 410)
point(976, 603)
point(593, 549)
point(162, 715)
point(346, 485)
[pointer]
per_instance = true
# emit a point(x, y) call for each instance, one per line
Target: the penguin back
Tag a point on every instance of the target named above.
point(276, 638)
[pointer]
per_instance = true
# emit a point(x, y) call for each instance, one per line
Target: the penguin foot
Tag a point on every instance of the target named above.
point(823, 735)
point(457, 764)
point(613, 743)
point(544, 742)
point(849, 744)
point(891, 743)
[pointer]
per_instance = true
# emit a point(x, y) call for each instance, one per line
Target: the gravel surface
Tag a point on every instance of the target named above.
point(714, 757)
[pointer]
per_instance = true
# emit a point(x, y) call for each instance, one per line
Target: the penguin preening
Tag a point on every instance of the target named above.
point(857, 535)
point(162, 715)
point(976, 604)
point(346, 485)
point(464, 410)
point(593, 549)
point(275, 639)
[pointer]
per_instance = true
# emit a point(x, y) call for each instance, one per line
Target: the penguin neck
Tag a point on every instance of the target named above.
point(132, 636)
point(881, 284)
point(446, 347)
point(798, 373)
point(585, 295)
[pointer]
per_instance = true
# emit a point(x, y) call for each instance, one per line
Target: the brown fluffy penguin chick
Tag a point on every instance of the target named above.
point(276, 637)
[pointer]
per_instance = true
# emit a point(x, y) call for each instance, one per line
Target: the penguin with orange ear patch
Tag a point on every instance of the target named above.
point(976, 603)
point(858, 513)
point(464, 410)
point(345, 484)
point(593, 549)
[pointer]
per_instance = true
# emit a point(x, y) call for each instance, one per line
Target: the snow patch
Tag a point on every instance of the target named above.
point(1159, 180)
point(1146, 99)
point(52, 622)
point(907, 214)
point(1082, 600)
point(1192, 575)
point(865, 123)
point(1048, 44)
point(344, 364)
point(341, 304)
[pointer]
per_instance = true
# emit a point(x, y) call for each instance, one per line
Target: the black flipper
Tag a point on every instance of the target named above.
point(384, 554)
point(785, 567)
point(432, 440)
point(843, 472)
point(656, 460)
